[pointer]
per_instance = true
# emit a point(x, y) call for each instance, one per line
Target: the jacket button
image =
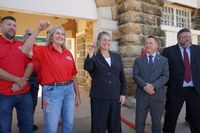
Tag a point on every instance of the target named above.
point(109, 82)
point(108, 73)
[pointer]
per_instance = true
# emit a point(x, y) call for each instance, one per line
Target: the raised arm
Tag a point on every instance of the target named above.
point(88, 64)
point(43, 24)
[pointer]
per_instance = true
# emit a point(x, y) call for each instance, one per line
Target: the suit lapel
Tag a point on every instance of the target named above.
point(112, 59)
point(178, 52)
point(191, 54)
point(156, 62)
point(104, 60)
point(145, 60)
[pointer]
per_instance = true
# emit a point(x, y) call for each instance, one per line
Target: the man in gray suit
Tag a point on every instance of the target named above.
point(150, 72)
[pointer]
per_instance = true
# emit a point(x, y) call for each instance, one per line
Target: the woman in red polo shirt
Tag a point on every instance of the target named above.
point(58, 78)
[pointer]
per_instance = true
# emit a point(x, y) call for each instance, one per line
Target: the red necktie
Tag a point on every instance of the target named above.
point(187, 66)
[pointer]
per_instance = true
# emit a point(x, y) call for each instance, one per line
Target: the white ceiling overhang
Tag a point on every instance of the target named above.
point(84, 9)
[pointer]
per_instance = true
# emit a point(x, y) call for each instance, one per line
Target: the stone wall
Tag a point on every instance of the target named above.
point(137, 19)
point(82, 40)
point(196, 21)
point(129, 22)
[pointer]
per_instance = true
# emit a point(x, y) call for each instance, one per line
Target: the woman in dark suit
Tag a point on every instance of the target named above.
point(108, 86)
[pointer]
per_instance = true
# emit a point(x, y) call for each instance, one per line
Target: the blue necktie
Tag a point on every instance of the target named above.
point(150, 61)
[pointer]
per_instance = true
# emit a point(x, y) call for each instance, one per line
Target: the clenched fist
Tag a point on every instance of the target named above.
point(43, 24)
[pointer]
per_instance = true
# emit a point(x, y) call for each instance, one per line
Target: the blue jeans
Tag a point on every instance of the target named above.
point(24, 107)
point(58, 100)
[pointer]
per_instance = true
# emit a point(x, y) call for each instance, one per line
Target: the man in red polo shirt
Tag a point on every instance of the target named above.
point(14, 73)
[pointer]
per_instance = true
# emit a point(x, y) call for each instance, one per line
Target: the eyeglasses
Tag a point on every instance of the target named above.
point(29, 34)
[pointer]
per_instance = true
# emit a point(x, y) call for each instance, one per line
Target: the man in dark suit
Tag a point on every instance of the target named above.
point(151, 73)
point(184, 82)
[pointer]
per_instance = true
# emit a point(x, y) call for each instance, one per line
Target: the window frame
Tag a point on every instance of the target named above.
point(172, 14)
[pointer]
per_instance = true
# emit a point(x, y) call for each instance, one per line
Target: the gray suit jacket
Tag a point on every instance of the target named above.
point(158, 76)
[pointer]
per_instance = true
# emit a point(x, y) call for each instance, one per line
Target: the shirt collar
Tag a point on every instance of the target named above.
point(183, 47)
point(53, 49)
point(152, 55)
point(4, 41)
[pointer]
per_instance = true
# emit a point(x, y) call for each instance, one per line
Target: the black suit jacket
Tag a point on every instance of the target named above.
point(177, 68)
point(107, 82)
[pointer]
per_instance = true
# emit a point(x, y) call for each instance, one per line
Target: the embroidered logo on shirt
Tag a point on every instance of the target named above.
point(45, 104)
point(69, 58)
point(20, 47)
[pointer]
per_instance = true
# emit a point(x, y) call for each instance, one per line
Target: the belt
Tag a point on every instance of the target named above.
point(61, 83)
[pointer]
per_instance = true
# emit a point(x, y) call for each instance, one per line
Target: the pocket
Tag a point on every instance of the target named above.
point(47, 88)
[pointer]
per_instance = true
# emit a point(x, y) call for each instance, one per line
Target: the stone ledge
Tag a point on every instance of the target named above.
point(105, 25)
point(104, 3)
point(129, 28)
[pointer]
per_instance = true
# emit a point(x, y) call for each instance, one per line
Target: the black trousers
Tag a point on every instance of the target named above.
point(173, 107)
point(105, 115)
point(34, 95)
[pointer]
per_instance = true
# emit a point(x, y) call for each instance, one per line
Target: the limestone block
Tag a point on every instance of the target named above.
point(130, 50)
point(104, 13)
point(115, 35)
point(104, 3)
point(130, 102)
point(160, 2)
point(128, 71)
point(130, 38)
point(148, 19)
point(130, 5)
point(128, 62)
point(162, 41)
point(115, 11)
point(196, 26)
point(196, 19)
point(129, 28)
point(114, 46)
point(130, 16)
point(151, 9)
point(152, 2)
point(152, 30)
point(130, 88)
point(159, 21)
point(102, 24)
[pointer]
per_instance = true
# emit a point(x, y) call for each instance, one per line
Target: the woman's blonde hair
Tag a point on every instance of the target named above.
point(100, 35)
point(49, 38)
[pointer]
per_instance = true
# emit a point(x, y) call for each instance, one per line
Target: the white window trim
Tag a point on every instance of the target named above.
point(174, 13)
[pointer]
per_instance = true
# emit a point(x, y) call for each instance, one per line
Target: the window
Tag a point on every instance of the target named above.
point(174, 16)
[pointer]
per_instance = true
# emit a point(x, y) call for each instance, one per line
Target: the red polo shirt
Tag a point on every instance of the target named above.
point(55, 67)
point(13, 61)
